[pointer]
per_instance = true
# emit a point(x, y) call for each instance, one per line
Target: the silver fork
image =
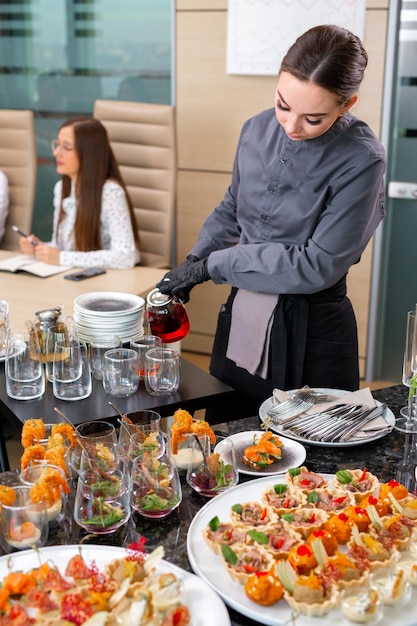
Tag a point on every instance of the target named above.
point(299, 402)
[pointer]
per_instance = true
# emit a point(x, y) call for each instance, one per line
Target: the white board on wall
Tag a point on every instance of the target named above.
point(259, 32)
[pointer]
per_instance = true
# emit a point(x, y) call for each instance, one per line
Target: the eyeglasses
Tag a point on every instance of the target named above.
point(55, 145)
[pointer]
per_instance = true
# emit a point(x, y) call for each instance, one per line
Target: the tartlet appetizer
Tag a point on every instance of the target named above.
point(277, 538)
point(302, 559)
point(328, 540)
point(252, 514)
point(359, 482)
point(266, 450)
point(305, 480)
point(264, 588)
point(241, 561)
point(364, 547)
point(392, 530)
point(396, 489)
point(219, 533)
point(330, 500)
point(358, 516)
point(339, 568)
point(304, 521)
point(340, 526)
point(408, 507)
point(284, 499)
point(309, 595)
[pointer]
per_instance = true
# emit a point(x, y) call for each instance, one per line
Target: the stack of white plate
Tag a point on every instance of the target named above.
point(102, 313)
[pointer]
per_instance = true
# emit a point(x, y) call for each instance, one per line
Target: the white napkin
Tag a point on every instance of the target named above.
point(361, 396)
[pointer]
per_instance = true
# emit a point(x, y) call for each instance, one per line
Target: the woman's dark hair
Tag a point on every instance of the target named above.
point(97, 164)
point(328, 56)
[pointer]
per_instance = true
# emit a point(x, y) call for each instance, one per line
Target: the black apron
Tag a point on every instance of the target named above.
point(313, 342)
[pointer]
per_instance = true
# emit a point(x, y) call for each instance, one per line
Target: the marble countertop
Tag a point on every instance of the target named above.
point(386, 458)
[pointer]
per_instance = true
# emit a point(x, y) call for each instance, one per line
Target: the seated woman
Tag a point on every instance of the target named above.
point(4, 202)
point(94, 223)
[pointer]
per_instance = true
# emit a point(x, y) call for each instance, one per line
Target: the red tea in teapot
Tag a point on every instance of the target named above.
point(167, 317)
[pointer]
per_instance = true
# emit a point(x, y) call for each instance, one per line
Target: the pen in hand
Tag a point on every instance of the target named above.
point(22, 234)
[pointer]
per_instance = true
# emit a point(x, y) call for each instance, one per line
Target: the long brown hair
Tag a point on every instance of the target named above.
point(329, 56)
point(97, 164)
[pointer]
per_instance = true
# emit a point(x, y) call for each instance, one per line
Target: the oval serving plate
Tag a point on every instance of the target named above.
point(293, 454)
point(388, 416)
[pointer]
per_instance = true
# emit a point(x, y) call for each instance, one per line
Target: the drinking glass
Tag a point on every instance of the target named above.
point(98, 346)
point(120, 377)
point(162, 371)
point(102, 504)
point(56, 332)
point(23, 523)
point(4, 324)
point(88, 435)
point(216, 470)
point(408, 423)
point(106, 457)
point(155, 486)
point(139, 424)
point(71, 371)
point(141, 346)
point(25, 379)
point(50, 481)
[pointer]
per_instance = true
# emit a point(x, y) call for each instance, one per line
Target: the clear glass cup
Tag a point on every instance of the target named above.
point(23, 523)
point(50, 485)
point(98, 346)
point(56, 332)
point(361, 605)
point(4, 325)
point(391, 585)
point(141, 346)
point(120, 376)
point(25, 378)
point(140, 423)
point(106, 457)
point(162, 371)
point(102, 505)
point(88, 435)
point(155, 445)
point(71, 371)
point(155, 486)
point(212, 468)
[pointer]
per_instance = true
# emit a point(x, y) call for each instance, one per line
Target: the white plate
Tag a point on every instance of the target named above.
point(204, 604)
point(210, 568)
point(102, 303)
point(388, 416)
point(293, 454)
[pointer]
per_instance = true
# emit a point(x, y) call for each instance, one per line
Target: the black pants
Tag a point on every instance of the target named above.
point(313, 342)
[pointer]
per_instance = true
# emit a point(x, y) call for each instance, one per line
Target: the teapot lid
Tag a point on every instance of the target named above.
point(49, 314)
point(156, 298)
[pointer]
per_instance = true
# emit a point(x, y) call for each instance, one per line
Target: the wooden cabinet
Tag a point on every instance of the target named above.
point(211, 108)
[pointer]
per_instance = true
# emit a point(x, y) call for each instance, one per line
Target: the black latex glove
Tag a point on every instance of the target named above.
point(183, 278)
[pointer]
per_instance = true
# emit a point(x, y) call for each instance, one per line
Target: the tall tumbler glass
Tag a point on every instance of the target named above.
point(25, 378)
point(71, 371)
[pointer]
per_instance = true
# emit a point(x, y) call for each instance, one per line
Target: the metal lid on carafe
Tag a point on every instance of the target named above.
point(48, 317)
point(156, 298)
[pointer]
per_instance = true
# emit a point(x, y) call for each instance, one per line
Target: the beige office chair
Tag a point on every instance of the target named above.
point(18, 162)
point(143, 139)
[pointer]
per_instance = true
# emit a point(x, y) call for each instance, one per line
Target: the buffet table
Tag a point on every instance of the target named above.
point(388, 458)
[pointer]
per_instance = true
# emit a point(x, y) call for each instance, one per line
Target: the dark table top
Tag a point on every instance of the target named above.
point(385, 458)
point(198, 390)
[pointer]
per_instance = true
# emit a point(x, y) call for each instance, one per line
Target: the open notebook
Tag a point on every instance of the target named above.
point(26, 263)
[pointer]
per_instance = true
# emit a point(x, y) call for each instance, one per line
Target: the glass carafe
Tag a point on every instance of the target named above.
point(167, 317)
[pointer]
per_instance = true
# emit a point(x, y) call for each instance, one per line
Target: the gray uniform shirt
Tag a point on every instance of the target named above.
point(297, 214)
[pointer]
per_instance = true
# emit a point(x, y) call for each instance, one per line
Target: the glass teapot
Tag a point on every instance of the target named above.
point(46, 319)
point(167, 317)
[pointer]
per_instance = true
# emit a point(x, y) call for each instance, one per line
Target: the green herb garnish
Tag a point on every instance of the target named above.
point(259, 537)
point(228, 554)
